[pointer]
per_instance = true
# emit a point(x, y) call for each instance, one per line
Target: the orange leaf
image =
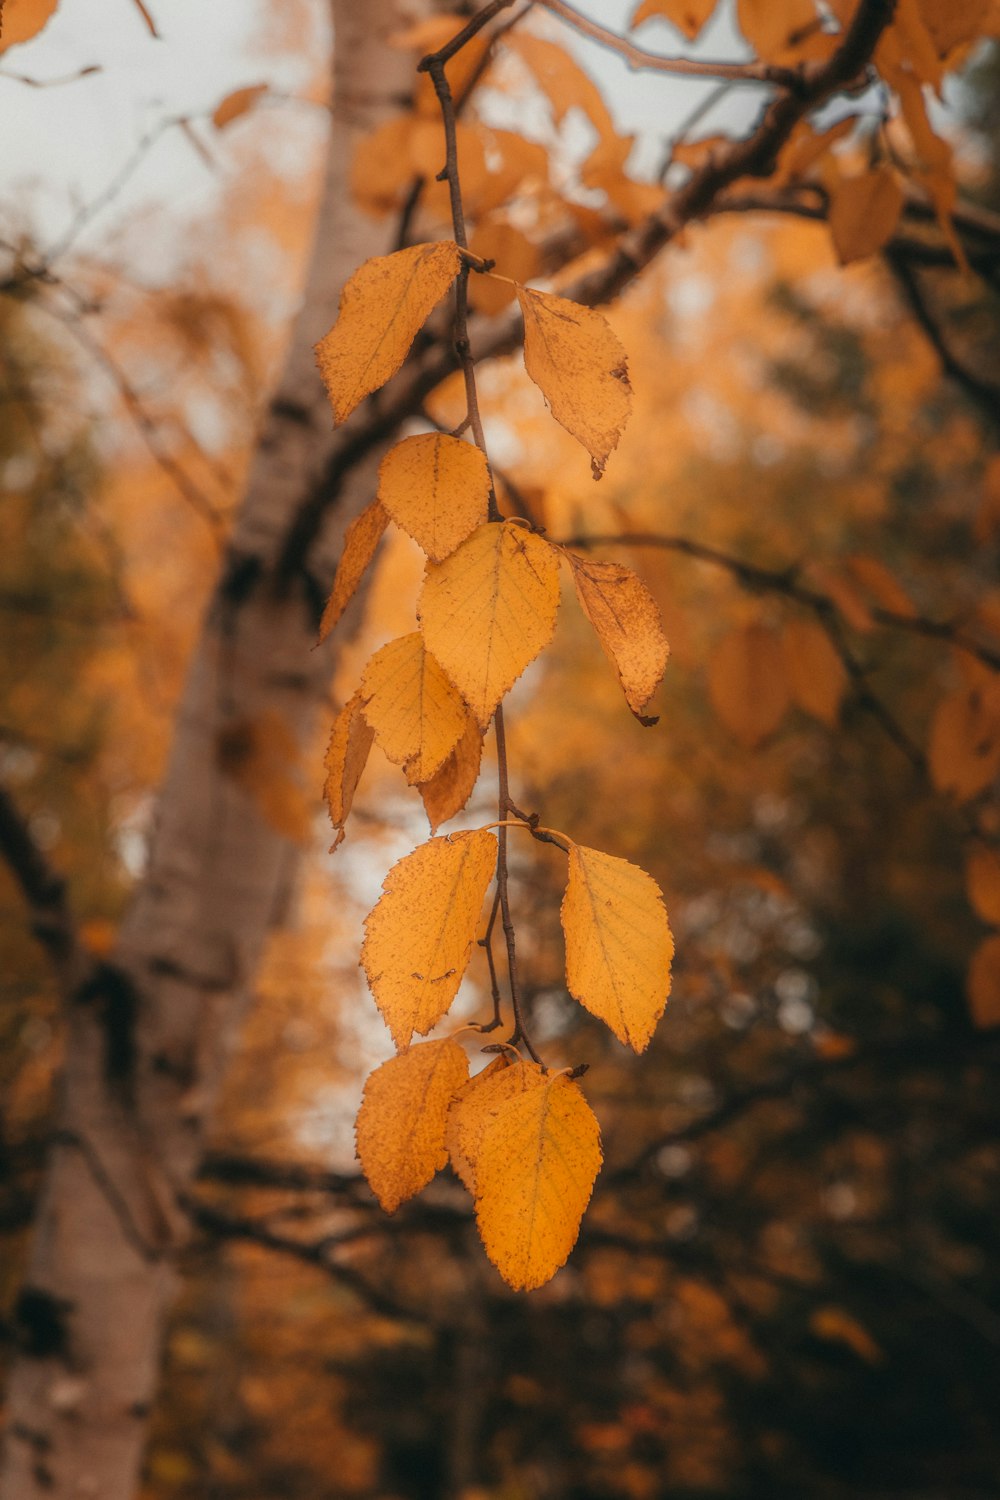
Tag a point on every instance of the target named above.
point(623, 612)
point(964, 746)
point(419, 935)
point(984, 984)
point(864, 212)
point(20, 20)
point(416, 713)
point(401, 1122)
point(437, 488)
point(488, 609)
point(346, 758)
point(579, 365)
point(816, 675)
point(382, 307)
point(618, 943)
point(237, 103)
point(688, 16)
point(535, 1170)
point(475, 1105)
point(360, 541)
point(450, 788)
point(982, 881)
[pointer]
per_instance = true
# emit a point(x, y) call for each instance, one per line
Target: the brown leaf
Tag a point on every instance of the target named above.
point(346, 758)
point(624, 614)
point(360, 542)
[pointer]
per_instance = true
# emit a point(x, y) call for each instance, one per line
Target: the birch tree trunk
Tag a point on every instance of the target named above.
point(147, 1040)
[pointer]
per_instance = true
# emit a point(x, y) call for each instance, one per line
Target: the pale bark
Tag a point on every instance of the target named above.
point(101, 1276)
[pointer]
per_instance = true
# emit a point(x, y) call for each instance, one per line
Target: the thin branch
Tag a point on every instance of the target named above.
point(43, 888)
point(639, 60)
point(983, 393)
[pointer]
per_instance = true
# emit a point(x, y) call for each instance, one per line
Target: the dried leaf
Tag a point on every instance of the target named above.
point(450, 788)
point(437, 488)
point(382, 307)
point(360, 542)
point(20, 20)
point(747, 683)
point(781, 31)
point(864, 212)
point(982, 881)
point(239, 102)
point(618, 943)
point(516, 258)
point(817, 678)
point(838, 1326)
point(420, 933)
point(488, 609)
point(401, 1122)
point(984, 984)
point(581, 368)
point(475, 1105)
point(688, 16)
point(564, 82)
point(416, 713)
point(535, 1170)
point(623, 612)
point(346, 758)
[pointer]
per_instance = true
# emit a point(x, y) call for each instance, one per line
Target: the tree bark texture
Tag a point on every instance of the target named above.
point(147, 1041)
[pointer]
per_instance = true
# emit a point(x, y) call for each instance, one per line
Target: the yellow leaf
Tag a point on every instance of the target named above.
point(420, 933)
point(618, 943)
point(747, 683)
point(488, 609)
point(984, 984)
point(450, 788)
point(437, 488)
point(360, 541)
point(401, 1122)
point(579, 365)
point(982, 881)
point(237, 103)
point(623, 612)
point(417, 716)
point(688, 16)
point(816, 675)
point(535, 1170)
point(864, 212)
point(20, 20)
point(382, 307)
point(475, 1105)
point(346, 757)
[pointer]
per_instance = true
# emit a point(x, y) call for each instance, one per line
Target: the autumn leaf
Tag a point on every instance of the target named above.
point(436, 488)
point(510, 249)
point(618, 943)
point(581, 368)
point(817, 678)
point(346, 758)
point(237, 103)
point(20, 20)
point(382, 307)
point(450, 788)
point(474, 1106)
point(781, 31)
point(535, 1169)
point(401, 1123)
point(419, 935)
point(623, 612)
point(982, 881)
point(416, 713)
point(838, 1327)
point(747, 683)
point(688, 16)
point(360, 542)
point(864, 212)
point(564, 82)
point(984, 984)
point(964, 746)
point(489, 609)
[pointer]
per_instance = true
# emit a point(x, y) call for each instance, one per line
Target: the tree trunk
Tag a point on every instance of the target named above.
point(146, 1045)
